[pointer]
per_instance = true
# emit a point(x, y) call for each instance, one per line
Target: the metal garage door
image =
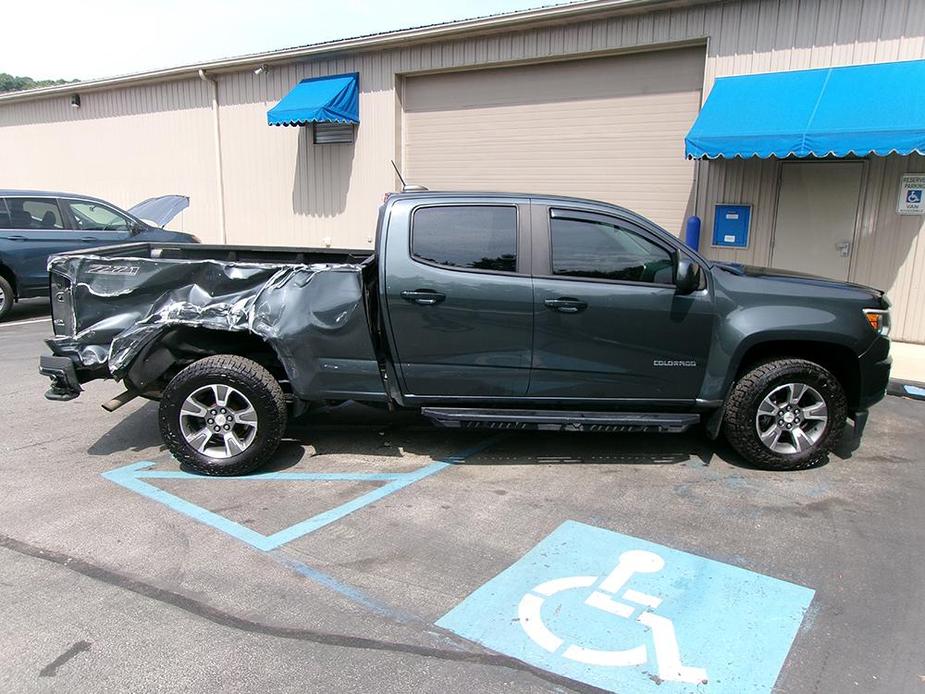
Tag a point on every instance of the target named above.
point(605, 128)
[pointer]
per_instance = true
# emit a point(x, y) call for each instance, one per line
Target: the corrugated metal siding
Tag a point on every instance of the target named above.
point(280, 188)
point(890, 248)
point(126, 144)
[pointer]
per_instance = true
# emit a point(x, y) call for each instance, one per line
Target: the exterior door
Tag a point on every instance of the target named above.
point(816, 217)
point(460, 305)
point(608, 324)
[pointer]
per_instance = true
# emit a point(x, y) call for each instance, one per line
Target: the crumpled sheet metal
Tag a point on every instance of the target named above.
point(302, 311)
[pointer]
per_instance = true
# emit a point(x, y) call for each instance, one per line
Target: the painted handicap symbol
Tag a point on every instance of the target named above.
point(627, 615)
point(914, 196)
point(667, 655)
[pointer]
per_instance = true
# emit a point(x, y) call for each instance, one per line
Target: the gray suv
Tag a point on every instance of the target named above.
point(36, 224)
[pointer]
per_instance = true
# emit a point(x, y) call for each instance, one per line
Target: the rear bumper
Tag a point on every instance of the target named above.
point(66, 371)
point(63, 375)
point(874, 371)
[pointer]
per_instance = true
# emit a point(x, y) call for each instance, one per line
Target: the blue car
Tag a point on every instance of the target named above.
point(36, 224)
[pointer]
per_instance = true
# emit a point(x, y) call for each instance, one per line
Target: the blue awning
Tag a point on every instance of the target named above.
point(334, 99)
point(860, 110)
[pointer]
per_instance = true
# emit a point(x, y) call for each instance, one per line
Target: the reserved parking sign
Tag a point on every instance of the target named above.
point(628, 615)
point(912, 194)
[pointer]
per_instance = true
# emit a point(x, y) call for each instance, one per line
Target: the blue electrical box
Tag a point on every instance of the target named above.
point(730, 225)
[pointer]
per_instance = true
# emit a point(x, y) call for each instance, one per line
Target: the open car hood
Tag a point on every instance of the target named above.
point(161, 210)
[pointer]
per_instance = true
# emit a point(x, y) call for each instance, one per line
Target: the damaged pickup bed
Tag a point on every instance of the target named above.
point(477, 309)
point(137, 312)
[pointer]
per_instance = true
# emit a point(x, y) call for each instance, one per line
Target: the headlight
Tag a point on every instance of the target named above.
point(878, 319)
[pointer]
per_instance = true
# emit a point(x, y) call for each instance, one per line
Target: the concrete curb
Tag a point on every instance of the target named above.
point(906, 389)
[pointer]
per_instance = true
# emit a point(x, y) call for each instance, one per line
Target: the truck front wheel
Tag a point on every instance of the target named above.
point(785, 414)
point(223, 415)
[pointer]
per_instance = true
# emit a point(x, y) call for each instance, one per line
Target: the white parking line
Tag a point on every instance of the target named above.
point(24, 322)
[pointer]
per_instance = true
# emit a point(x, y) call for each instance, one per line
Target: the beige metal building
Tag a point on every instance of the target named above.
point(591, 99)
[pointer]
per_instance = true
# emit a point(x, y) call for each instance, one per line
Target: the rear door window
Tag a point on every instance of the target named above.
point(5, 222)
point(32, 213)
point(472, 237)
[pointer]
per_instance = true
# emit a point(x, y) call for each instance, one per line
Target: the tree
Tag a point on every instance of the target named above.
point(9, 83)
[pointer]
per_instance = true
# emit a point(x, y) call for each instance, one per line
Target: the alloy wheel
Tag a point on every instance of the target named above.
point(218, 421)
point(791, 418)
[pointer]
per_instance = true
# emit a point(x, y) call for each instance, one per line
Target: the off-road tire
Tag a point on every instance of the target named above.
point(248, 377)
point(748, 392)
point(8, 298)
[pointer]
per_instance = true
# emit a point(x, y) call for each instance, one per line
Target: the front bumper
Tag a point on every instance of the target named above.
point(874, 373)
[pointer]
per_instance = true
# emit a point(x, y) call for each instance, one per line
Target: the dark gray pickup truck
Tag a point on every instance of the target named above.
point(507, 311)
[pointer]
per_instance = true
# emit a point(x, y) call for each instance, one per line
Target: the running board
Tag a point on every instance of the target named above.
point(561, 420)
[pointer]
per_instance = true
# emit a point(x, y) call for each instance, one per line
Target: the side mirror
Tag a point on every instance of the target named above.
point(137, 228)
point(686, 274)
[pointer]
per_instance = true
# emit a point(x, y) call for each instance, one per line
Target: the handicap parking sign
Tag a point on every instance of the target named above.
point(914, 196)
point(624, 614)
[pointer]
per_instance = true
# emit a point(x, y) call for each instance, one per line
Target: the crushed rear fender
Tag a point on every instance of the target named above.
point(120, 305)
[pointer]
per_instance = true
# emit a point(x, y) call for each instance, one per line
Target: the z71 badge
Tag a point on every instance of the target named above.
point(112, 270)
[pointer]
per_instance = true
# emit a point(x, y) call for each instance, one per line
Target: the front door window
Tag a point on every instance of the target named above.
point(93, 216)
point(606, 251)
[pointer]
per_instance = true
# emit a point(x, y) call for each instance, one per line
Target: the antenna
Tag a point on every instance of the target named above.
point(405, 188)
point(400, 177)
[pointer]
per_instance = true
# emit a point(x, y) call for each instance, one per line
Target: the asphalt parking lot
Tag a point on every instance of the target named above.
point(367, 558)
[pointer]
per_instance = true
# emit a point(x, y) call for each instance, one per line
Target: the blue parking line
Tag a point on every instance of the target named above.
point(125, 476)
point(133, 477)
point(327, 517)
point(351, 593)
point(275, 476)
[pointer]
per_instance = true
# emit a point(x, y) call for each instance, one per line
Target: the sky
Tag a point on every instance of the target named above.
point(52, 39)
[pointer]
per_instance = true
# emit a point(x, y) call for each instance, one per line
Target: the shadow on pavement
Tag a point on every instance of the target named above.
point(28, 308)
point(136, 432)
point(376, 432)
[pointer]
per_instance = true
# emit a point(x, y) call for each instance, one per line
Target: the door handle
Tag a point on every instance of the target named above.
point(89, 238)
point(15, 237)
point(565, 304)
point(424, 297)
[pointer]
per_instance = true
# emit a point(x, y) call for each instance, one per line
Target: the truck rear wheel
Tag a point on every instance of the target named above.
point(6, 297)
point(785, 415)
point(223, 415)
